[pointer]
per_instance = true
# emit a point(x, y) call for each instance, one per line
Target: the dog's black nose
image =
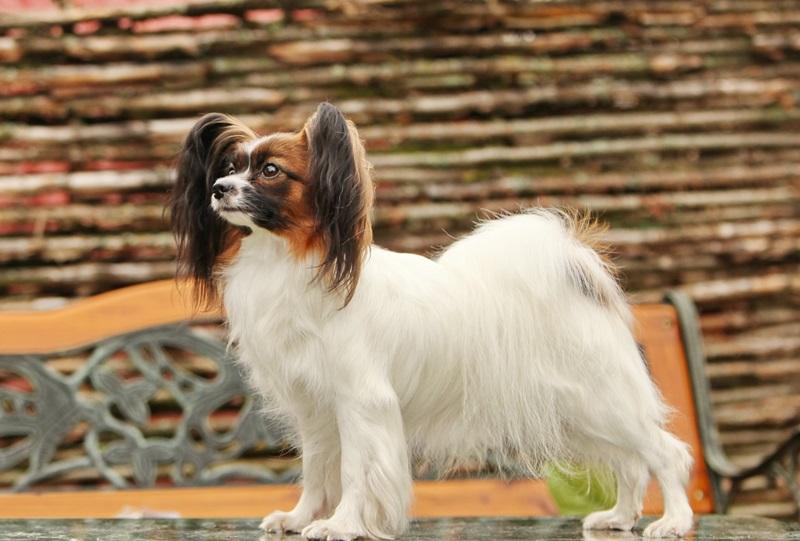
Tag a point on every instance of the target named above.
point(220, 188)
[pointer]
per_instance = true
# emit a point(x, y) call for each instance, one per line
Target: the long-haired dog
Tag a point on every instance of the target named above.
point(515, 342)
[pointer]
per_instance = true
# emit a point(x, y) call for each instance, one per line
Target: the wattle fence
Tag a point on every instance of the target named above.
point(676, 122)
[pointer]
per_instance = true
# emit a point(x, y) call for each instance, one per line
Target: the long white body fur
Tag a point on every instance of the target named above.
point(492, 347)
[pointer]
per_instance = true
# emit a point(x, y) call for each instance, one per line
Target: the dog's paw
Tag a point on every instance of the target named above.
point(609, 520)
point(282, 521)
point(332, 530)
point(675, 526)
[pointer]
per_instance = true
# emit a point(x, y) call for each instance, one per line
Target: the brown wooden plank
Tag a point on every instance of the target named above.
point(89, 320)
point(475, 497)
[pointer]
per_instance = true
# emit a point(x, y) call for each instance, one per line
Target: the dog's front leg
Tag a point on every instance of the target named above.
point(376, 480)
point(321, 476)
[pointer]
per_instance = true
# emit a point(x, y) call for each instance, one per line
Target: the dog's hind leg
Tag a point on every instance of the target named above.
point(669, 460)
point(632, 476)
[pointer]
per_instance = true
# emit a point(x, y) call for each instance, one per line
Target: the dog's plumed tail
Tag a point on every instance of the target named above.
point(589, 265)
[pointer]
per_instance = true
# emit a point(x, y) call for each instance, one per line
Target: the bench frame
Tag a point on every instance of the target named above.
point(156, 316)
point(725, 476)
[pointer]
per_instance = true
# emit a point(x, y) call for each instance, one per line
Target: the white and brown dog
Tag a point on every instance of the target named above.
point(515, 341)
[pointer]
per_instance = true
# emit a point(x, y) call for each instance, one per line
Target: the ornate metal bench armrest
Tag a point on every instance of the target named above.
point(726, 477)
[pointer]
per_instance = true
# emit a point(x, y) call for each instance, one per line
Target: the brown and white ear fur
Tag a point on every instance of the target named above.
point(340, 195)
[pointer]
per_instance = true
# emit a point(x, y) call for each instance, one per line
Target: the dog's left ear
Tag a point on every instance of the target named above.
point(340, 195)
point(201, 236)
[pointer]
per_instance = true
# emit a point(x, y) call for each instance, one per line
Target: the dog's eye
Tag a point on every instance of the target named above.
point(270, 170)
point(231, 169)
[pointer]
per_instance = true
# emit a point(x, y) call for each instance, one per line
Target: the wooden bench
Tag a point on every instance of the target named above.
point(133, 391)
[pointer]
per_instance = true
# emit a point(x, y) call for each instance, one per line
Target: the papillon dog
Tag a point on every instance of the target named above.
point(514, 343)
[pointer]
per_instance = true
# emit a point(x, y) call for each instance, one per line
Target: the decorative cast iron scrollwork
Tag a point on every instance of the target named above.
point(106, 400)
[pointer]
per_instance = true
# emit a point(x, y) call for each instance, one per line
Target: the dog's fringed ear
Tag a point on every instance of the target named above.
point(202, 236)
point(341, 195)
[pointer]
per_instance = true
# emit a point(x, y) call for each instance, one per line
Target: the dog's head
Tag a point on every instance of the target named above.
point(312, 188)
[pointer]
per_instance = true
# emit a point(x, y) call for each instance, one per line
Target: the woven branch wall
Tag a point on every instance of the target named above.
point(675, 121)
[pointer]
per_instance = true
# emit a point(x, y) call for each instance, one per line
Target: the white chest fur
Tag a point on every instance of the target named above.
point(274, 313)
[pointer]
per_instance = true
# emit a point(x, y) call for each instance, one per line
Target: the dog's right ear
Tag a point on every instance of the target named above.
point(200, 235)
point(340, 194)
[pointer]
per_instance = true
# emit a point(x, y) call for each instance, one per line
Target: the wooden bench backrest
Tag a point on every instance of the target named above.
point(96, 318)
point(658, 332)
point(160, 303)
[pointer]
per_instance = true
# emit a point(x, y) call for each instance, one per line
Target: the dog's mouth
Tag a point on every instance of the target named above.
point(221, 206)
point(235, 215)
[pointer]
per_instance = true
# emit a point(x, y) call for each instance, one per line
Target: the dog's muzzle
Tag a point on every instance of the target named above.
point(223, 187)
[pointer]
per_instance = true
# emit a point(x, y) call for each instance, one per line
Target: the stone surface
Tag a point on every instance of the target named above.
point(708, 528)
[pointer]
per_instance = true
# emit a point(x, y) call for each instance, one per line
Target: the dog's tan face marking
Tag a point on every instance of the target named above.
point(288, 151)
point(278, 173)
